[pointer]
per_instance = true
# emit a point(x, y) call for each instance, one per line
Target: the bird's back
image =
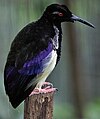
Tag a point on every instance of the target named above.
point(29, 42)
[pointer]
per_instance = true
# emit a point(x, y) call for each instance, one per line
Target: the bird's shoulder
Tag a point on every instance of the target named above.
point(33, 32)
point(29, 42)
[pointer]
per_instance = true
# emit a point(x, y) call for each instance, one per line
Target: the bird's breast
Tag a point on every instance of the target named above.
point(55, 39)
point(49, 66)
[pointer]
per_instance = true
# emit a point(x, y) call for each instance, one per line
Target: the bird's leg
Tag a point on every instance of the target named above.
point(44, 88)
point(47, 85)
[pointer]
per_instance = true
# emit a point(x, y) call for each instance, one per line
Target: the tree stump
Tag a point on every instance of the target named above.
point(39, 106)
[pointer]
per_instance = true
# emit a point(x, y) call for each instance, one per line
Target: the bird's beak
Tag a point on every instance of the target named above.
point(75, 18)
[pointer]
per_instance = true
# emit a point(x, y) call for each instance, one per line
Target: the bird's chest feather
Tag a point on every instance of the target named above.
point(45, 61)
point(50, 61)
point(53, 55)
point(55, 38)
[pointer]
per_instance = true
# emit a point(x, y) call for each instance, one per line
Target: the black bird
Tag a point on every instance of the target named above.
point(35, 52)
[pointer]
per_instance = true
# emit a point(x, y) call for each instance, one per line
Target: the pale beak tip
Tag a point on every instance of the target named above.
point(93, 27)
point(75, 18)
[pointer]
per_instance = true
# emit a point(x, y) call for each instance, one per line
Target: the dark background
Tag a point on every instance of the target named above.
point(77, 75)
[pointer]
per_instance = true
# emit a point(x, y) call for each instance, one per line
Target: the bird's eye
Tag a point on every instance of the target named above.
point(58, 13)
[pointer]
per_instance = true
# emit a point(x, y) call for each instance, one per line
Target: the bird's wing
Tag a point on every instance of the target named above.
point(35, 64)
point(28, 57)
point(18, 77)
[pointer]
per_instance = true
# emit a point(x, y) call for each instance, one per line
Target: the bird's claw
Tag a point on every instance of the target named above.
point(47, 85)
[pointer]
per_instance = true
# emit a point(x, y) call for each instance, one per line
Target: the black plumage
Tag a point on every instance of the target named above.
point(32, 50)
point(31, 40)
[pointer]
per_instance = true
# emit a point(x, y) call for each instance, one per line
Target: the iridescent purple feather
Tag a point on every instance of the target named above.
point(37, 64)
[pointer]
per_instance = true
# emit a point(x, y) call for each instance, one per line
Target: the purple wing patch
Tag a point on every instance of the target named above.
point(37, 64)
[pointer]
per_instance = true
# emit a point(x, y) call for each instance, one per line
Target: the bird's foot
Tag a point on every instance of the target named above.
point(46, 87)
point(38, 91)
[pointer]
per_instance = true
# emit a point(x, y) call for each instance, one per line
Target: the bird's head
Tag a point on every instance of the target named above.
point(57, 13)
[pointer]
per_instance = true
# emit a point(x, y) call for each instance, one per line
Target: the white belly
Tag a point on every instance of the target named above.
point(49, 68)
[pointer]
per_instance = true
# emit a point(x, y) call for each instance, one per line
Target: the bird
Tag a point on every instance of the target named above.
point(35, 52)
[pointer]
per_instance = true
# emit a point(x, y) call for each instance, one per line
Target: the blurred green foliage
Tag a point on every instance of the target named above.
point(63, 111)
point(92, 110)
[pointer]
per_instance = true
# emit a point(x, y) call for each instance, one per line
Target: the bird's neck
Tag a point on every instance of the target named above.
point(56, 27)
point(46, 20)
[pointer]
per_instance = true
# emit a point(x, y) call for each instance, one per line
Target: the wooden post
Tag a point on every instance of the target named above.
point(39, 106)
